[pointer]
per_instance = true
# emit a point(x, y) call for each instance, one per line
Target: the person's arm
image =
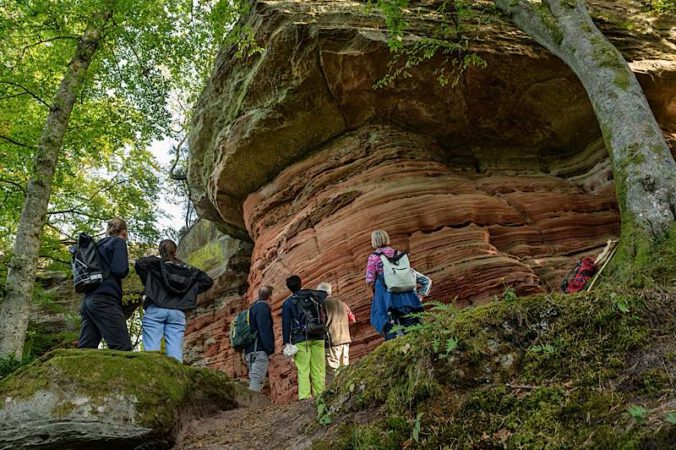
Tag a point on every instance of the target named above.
point(350, 315)
point(266, 335)
point(286, 322)
point(119, 263)
point(204, 282)
point(142, 265)
point(425, 283)
point(371, 271)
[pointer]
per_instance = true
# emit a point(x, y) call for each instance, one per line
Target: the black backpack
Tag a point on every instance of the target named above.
point(310, 314)
point(89, 267)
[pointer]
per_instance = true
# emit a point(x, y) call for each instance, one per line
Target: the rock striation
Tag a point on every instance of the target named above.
point(226, 260)
point(497, 181)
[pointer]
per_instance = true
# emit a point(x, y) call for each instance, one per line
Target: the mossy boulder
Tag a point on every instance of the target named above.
point(593, 370)
point(108, 399)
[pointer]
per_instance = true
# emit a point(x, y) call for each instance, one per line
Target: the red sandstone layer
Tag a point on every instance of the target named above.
point(474, 234)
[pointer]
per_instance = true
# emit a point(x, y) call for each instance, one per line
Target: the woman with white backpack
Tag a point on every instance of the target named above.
point(393, 283)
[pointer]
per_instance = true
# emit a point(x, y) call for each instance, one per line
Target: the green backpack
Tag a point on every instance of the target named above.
point(241, 334)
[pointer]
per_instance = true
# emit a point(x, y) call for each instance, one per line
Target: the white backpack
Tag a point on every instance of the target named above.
point(399, 276)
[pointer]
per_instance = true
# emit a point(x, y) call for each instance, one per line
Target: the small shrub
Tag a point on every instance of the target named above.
point(10, 364)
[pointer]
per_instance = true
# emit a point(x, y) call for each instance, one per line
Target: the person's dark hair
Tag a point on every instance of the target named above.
point(293, 283)
point(116, 226)
point(168, 250)
point(265, 292)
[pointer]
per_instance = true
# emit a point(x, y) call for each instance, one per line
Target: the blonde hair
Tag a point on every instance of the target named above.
point(379, 238)
point(326, 287)
point(116, 226)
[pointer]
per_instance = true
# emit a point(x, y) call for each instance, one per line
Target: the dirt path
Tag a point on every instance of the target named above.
point(267, 427)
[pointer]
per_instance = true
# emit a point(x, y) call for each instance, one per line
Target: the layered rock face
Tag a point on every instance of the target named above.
point(226, 260)
point(498, 181)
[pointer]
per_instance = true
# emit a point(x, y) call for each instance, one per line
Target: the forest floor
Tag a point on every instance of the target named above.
point(254, 427)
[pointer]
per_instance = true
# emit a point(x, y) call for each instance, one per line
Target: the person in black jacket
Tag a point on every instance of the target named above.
point(101, 310)
point(258, 352)
point(304, 344)
point(171, 288)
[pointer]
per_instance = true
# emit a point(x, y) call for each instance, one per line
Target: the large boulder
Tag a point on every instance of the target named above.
point(108, 400)
point(499, 181)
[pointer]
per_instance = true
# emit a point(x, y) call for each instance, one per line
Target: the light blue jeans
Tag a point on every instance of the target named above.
point(170, 323)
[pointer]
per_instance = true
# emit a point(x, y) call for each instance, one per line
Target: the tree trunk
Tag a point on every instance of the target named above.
point(23, 264)
point(644, 171)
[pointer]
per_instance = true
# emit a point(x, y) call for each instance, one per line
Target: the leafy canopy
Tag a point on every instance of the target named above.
point(152, 50)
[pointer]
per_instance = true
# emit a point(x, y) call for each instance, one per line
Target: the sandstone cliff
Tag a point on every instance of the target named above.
point(499, 181)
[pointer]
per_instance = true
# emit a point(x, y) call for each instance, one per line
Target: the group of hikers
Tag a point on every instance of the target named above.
point(315, 324)
point(170, 289)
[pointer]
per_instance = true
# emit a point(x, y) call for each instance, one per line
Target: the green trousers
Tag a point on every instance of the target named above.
point(311, 367)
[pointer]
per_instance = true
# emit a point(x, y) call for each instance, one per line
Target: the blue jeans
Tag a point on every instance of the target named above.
point(170, 323)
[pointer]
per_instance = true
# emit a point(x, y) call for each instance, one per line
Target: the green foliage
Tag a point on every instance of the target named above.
point(323, 416)
point(671, 417)
point(638, 412)
point(450, 41)
point(547, 349)
point(11, 363)
point(145, 67)
point(160, 385)
point(620, 302)
point(551, 371)
point(509, 295)
point(416, 428)
point(662, 6)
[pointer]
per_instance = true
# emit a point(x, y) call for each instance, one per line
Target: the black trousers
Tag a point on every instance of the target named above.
point(102, 317)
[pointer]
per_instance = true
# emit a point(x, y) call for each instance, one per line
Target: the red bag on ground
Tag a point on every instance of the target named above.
point(583, 271)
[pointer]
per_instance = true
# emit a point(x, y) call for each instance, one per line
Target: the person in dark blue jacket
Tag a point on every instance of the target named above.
point(101, 310)
point(257, 353)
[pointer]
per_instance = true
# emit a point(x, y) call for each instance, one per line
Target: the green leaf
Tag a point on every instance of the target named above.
point(416, 427)
point(451, 344)
point(638, 412)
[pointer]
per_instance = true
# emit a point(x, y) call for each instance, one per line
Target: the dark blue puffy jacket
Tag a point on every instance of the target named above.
point(114, 252)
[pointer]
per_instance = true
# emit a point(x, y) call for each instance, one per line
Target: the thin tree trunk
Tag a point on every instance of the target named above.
point(643, 168)
point(23, 264)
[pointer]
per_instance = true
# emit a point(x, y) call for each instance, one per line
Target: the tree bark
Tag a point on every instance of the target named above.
point(15, 312)
point(644, 171)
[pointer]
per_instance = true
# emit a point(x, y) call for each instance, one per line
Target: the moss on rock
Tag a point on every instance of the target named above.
point(550, 371)
point(139, 395)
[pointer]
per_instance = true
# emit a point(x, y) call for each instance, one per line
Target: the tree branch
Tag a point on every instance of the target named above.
point(13, 183)
point(12, 141)
point(55, 259)
point(58, 230)
point(27, 91)
point(172, 174)
point(534, 19)
point(43, 41)
point(76, 209)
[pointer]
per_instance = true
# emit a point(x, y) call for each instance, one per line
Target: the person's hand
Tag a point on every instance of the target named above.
point(290, 350)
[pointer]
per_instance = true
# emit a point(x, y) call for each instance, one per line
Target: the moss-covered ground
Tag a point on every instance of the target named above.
point(163, 389)
point(593, 370)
